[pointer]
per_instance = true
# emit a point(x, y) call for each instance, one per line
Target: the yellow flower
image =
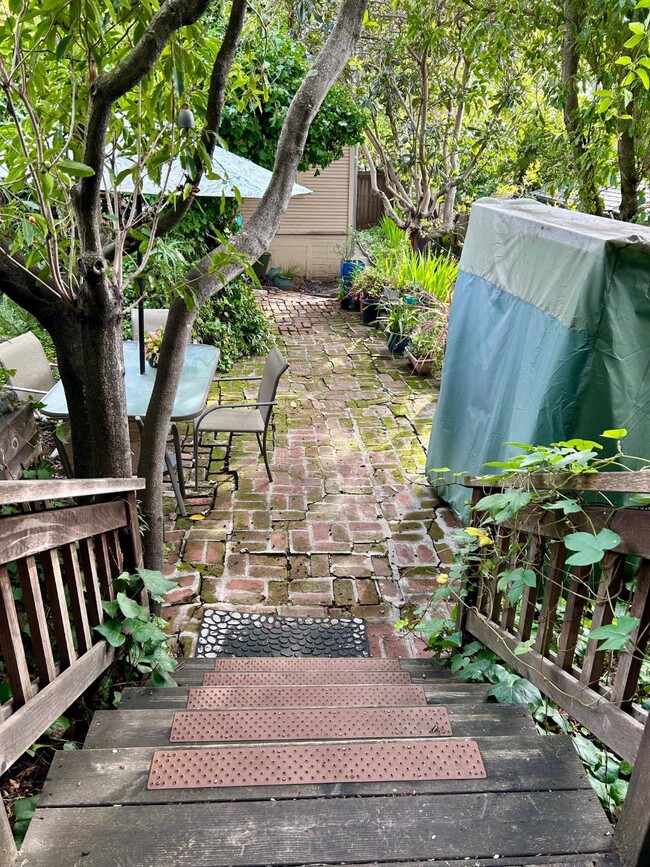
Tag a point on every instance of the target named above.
point(442, 578)
point(481, 537)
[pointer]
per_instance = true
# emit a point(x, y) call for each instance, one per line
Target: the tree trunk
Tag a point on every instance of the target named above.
point(250, 243)
point(589, 196)
point(629, 177)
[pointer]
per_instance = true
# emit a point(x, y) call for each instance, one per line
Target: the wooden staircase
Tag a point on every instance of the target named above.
point(296, 746)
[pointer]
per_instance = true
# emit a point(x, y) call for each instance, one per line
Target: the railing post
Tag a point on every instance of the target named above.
point(8, 850)
point(633, 829)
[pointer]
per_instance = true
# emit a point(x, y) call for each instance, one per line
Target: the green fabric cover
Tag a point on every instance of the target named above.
point(549, 336)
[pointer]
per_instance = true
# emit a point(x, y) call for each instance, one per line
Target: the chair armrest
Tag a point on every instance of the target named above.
point(249, 405)
point(237, 379)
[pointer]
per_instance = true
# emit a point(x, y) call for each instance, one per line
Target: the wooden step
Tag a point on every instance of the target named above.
point(440, 693)
point(130, 728)
point(279, 832)
point(306, 663)
point(103, 777)
point(304, 678)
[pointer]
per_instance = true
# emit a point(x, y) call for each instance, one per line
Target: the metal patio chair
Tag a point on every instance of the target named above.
point(33, 376)
point(172, 465)
point(252, 417)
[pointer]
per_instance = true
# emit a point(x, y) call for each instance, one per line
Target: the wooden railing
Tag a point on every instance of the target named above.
point(596, 687)
point(64, 559)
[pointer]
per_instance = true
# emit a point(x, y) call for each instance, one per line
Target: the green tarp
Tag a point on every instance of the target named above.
point(549, 336)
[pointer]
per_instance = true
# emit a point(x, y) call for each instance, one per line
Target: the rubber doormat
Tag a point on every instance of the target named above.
point(230, 633)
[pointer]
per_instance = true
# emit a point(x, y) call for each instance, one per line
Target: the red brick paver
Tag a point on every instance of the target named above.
point(349, 526)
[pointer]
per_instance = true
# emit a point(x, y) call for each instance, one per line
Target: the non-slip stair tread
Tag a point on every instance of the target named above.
point(209, 697)
point(307, 663)
point(329, 831)
point(307, 764)
point(309, 724)
point(525, 762)
point(127, 728)
point(305, 678)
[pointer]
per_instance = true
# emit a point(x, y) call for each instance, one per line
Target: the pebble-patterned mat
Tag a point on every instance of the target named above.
point(229, 633)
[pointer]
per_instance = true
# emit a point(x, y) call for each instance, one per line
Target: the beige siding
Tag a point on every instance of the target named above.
point(314, 225)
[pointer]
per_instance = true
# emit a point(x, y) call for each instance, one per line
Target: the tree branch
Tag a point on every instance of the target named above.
point(109, 87)
point(172, 215)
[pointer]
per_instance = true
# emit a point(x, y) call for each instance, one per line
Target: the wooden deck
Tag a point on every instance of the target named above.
point(535, 806)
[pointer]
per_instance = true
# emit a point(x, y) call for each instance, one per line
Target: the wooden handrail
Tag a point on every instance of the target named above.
point(13, 493)
point(65, 559)
point(541, 644)
point(612, 483)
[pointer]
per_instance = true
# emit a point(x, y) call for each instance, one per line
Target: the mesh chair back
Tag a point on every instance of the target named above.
point(274, 367)
point(25, 355)
point(154, 318)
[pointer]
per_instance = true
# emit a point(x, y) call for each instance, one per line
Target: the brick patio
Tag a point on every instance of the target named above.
point(349, 526)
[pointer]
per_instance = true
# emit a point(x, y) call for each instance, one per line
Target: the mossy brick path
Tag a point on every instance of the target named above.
point(349, 526)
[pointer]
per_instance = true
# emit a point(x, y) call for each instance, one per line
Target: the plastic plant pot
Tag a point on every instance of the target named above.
point(397, 344)
point(369, 311)
point(282, 282)
point(260, 267)
point(348, 267)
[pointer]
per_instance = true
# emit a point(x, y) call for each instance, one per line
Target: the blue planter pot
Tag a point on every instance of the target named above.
point(397, 344)
point(348, 267)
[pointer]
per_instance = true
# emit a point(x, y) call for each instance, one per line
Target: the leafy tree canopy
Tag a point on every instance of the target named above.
point(261, 88)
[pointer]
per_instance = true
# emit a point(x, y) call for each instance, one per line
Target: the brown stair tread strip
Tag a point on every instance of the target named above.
point(316, 763)
point(310, 724)
point(240, 697)
point(304, 678)
point(306, 663)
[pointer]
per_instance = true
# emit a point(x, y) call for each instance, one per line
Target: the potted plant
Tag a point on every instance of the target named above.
point(344, 295)
point(368, 285)
point(426, 349)
point(286, 277)
point(152, 345)
point(260, 267)
point(400, 322)
point(349, 265)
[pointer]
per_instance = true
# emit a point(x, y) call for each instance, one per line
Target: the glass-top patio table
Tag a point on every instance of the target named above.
point(196, 377)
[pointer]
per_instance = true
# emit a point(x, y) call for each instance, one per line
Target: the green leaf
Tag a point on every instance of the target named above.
point(636, 27)
point(515, 691)
point(162, 678)
point(643, 76)
point(156, 583)
point(111, 608)
point(77, 170)
point(625, 60)
point(568, 507)
point(130, 608)
point(523, 648)
point(617, 634)
point(590, 549)
point(614, 434)
point(112, 632)
point(589, 753)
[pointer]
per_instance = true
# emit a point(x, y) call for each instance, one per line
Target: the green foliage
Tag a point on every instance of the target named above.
point(140, 637)
point(23, 810)
point(261, 87)
point(233, 321)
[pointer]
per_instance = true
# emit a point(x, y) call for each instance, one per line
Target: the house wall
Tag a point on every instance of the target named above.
point(314, 225)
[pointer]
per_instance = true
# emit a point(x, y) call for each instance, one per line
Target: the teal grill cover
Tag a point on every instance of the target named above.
point(549, 337)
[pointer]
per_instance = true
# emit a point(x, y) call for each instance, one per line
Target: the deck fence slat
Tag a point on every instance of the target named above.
point(37, 619)
point(58, 607)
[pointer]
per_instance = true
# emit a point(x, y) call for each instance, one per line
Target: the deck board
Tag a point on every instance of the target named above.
point(350, 830)
point(106, 777)
point(148, 727)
